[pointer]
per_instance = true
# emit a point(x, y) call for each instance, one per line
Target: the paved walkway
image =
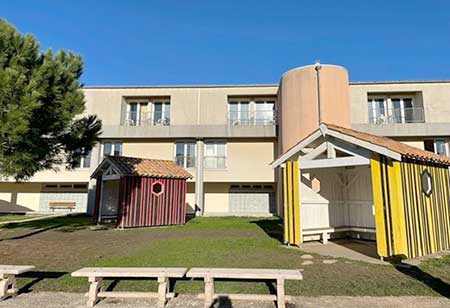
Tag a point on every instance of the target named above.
point(76, 300)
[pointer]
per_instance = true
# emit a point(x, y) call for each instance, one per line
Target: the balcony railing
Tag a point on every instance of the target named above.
point(398, 115)
point(247, 118)
point(147, 119)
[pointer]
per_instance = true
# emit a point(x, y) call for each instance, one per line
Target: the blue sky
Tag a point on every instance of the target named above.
point(209, 42)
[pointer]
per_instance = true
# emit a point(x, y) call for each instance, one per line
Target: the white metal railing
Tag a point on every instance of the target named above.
point(257, 117)
point(398, 115)
point(147, 119)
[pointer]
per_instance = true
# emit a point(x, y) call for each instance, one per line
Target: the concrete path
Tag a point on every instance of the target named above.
point(77, 300)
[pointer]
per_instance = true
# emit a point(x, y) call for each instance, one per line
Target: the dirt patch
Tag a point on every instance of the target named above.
point(59, 246)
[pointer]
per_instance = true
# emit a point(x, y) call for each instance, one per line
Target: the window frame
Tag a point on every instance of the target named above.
point(113, 147)
point(150, 113)
point(251, 115)
point(215, 142)
point(446, 144)
point(185, 142)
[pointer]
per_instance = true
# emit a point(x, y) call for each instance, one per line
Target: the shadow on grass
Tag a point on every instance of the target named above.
point(272, 227)
point(61, 224)
point(36, 277)
point(436, 284)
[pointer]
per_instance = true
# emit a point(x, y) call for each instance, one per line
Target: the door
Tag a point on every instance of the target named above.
point(110, 199)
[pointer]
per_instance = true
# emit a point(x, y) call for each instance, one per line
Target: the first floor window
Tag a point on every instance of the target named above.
point(84, 162)
point(403, 110)
point(185, 154)
point(215, 155)
point(439, 146)
point(112, 148)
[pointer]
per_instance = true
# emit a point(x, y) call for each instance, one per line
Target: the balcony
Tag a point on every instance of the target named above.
point(147, 119)
point(256, 118)
point(397, 116)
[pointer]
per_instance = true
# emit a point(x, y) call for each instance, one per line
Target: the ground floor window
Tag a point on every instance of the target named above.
point(185, 154)
point(112, 148)
point(215, 155)
point(438, 146)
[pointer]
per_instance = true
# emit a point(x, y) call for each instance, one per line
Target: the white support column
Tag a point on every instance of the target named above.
point(95, 160)
point(199, 202)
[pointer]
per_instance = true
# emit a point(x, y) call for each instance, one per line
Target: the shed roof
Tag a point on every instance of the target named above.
point(379, 144)
point(135, 166)
point(393, 145)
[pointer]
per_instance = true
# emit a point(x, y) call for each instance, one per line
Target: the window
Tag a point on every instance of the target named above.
point(157, 188)
point(215, 155)
point(112, 148)
point(264, 112)
point(440, 146)
point(146, 112)
point(251, 111)
point(85, 161)
point(161, 113)
point(403, 110)
point(239, 112)
point(185, 154)
point(377, 111)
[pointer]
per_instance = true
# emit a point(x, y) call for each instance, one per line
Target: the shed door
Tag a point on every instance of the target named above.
point(110, 198)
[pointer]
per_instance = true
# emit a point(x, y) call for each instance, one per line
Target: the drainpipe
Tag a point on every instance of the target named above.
point(318, 67)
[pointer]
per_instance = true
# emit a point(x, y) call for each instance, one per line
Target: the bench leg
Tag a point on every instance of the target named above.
point(162, 291)
point(280, 294)
point(7, 286)
point(94, 288)
point(209, 291)
point(325, 238)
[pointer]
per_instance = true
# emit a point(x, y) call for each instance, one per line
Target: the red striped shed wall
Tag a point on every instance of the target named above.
point(139, 207)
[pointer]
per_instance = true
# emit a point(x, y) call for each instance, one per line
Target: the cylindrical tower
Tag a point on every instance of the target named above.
point(299, 94)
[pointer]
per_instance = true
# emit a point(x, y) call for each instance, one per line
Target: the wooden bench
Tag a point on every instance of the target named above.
point(324, 233)
point(8, 278)
point(62, 205)
point(279, 275)
point(96, 274)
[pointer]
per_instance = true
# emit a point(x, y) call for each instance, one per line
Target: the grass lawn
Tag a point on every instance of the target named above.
point(16, 217)
point(59, 246)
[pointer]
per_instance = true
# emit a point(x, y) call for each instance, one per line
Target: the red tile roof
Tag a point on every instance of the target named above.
point(395, 146)
point(135, 166)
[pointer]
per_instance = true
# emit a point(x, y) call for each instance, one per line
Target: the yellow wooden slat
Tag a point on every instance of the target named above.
point(397, 208)
point(285, 207)
point(296, 204)
point(290, 202)
point(380, 228)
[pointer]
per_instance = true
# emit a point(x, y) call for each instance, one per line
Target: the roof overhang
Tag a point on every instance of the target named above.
point(326, 139)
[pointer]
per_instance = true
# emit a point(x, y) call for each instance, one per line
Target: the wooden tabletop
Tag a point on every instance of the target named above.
point(245, 273)
point(130, 272)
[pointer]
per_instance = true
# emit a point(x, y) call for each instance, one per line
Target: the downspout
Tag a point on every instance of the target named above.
point(318, 67)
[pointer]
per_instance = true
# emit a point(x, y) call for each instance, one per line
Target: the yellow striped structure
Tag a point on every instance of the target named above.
point(291, 204)
point(408, 222)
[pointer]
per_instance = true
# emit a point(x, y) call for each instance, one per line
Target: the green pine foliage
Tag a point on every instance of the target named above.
point(41, 106)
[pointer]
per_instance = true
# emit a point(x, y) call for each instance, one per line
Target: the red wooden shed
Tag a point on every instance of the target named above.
point(140, 192)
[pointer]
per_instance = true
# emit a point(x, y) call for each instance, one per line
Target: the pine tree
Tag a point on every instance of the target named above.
point(41, 106)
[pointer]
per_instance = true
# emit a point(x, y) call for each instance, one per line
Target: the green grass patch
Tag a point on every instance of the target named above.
point(208, 242)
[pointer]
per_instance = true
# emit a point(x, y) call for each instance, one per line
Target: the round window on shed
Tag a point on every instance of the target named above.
point(157, 188)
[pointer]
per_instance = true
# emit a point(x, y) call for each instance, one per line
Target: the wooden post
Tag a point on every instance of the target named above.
point(94, 288)
point(209, 291)
point(162, 291)
point(280, 293)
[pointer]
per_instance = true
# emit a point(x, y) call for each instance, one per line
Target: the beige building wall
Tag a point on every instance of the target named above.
point(189, 105)
point(23, 194)
point(247, 161)
point(434, 96)
point(216, 198)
